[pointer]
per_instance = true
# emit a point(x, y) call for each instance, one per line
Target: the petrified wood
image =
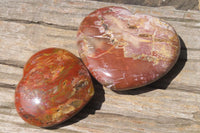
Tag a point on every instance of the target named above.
point(170, 104)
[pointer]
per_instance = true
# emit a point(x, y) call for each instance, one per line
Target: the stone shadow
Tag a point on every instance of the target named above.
point(163, 82)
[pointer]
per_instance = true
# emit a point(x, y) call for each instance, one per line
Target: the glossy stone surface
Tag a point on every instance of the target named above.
point(55, 86)
point(123, 50)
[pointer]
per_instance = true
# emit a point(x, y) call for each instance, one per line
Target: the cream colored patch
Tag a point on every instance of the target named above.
point(55, 89)
point(72, 93)
point(76, 103)
point(145, 57)
point(90, 45)
point(62, 110)
point(163, 51)
point(117, 24)
point(55, 73)
point(91, 91)
point(131, 39)
point(62, 55)
point(166, 53)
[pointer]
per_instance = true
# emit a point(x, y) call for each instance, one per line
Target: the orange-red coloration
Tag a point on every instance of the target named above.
point(124, 50)
point(55, 86)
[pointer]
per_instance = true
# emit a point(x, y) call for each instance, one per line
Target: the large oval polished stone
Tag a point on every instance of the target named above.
point(124, 50)
point(55, 86)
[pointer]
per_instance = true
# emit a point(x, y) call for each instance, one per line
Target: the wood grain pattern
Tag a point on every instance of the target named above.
point(168, 105)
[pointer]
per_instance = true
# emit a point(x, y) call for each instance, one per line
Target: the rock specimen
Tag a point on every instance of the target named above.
point(124, 50)
point(55, 86)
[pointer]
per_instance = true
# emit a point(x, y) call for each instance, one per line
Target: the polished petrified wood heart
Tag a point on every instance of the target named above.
point(124, 50)
point(55, 86)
